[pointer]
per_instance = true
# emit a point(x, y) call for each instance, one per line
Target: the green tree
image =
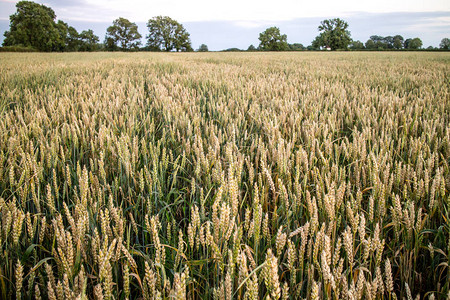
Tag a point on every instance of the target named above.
point(234, 49)
point(379, 42)
point(88, 41)
point(251, 48)
point(296, 47)
point(203, 48)
point(356, 45)
point(166, 34)
point(413, 44)
point(334, 34)
point(317, 43)
point(445, 44)
point(272, 40)
point(370, 44)
point(398, 42)
point(68, 39)
point(122, 35)
point(388, 42)
point(73, 39)
point(63, 36)
point(33, 25)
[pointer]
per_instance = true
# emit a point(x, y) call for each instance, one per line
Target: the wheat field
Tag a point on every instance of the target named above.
point(225, 176)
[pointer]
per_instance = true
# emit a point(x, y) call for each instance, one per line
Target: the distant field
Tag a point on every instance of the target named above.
point(225, 175)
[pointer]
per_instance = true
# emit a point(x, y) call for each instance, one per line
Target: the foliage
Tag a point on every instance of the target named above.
point(370, 44)
point(334, 34)
point(72, 39)
point(17, 49)
point(33, 26)
point(356, 45)
point(63, 36)
point(413, 44)
point(377, 42)
point(251, 48)
point(122, 35)
point(445, 44)
point(232, 50)
point(271, 39)
point(224, 176)
point(296, 47)
point(398, 42)
point(166, 34)
point(203, 48)
point(88, 41)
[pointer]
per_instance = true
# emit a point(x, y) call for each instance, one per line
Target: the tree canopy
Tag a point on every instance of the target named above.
point(296, 47)
point(398, 42)
point(445, 44)
point(166, 34)
point(122, 35)
point(356, 45)
point(413, 44)
point(271, 39)
point(334, 34)
point(88, 40)
point(33, 25)
point(377, 42)
point(203, 48)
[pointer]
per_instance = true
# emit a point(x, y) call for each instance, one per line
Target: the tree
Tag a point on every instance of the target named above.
point(379, 42)
point(413, 44)
point(333, 34)
point(122, 35)
point(272, 40)
point(370, 44)
point(251, 48)
point(356, 45)
point(296, 47)
point(166, 34)
point(68, 39)
point(232, 50)
point(398, 42)
point(445, 44)
point(388, 41)
point(33, 25)
point(376, 38)
point(406, 43)
point(382, 43)
point(73, 39)
point(88, 40)
point(203, 48)
point(416, 43)
point(63, 36)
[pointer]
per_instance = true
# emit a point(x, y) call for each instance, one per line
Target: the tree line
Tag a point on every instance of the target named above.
point(334, 35)
point(34, 27)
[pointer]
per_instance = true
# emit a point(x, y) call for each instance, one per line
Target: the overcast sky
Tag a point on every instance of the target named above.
point(237, 23)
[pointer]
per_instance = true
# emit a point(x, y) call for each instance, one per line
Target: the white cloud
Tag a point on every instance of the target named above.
point(430, 24)
point(231, 10)
point(256, 10)
point(249, 24)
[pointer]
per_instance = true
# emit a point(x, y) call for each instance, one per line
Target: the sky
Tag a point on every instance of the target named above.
point(237, 23)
